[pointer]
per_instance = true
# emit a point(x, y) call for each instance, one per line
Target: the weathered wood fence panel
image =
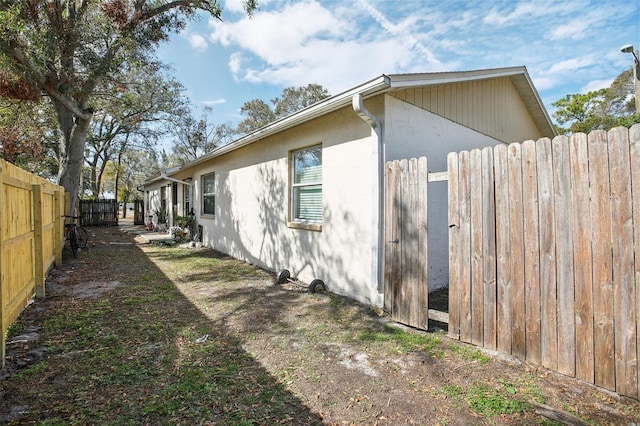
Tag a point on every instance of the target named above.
point(406, 282)
point(31, 239)
point(543, 253)
point(98, 212)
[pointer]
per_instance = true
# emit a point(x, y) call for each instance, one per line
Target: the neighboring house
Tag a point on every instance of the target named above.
point(305, 193)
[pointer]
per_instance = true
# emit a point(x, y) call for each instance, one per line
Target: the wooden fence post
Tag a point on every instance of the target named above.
point(38, 261)
point(58, 227)
point(2, 283)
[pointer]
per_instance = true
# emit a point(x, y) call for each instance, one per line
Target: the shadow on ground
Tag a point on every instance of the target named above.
point(115, 342)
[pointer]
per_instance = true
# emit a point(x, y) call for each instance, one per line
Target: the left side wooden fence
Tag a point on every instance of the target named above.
point(31, 240)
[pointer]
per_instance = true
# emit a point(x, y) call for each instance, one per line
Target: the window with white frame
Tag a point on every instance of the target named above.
point(306, 185)
point(208, 194)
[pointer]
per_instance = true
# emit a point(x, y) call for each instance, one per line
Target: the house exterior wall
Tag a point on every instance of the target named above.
point(492, 106)
point(411, 132)
point(252, 183)
point(152, 199)
point(253, 199)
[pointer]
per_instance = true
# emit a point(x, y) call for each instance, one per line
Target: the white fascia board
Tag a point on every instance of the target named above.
point(399, 81)
point(333, 103)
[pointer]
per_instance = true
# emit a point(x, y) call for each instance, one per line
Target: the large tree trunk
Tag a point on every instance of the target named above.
point(73, 137)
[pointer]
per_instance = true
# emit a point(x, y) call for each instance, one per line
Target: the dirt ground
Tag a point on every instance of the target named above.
point(338, 361)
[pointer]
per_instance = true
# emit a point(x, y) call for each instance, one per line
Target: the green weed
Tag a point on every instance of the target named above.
point(405, 341)
point(33, 369)
point(494, 399)
point(469, 353)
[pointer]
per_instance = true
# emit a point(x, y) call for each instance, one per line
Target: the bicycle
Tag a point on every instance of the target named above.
point(76, 235)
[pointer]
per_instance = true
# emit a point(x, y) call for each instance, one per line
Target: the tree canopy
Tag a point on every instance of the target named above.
point(600, 109)
point(258, 113)
point(67, 49)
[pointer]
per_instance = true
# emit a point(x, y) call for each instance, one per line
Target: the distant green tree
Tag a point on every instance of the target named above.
point(195, 137)
point(600, 109)
point(294, 99)
point(127, 116)
point(258, 113)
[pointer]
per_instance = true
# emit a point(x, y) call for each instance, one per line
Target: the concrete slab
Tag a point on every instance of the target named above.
point(126, 225)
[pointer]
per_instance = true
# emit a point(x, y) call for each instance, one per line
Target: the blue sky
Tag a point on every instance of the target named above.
point(567, 46)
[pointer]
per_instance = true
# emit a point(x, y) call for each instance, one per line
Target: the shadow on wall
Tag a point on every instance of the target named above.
point(268, 242)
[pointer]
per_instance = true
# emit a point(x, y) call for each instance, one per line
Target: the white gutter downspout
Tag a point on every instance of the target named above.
point(163, 173)
point(378, 182)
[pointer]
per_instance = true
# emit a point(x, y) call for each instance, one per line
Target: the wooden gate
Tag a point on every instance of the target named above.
point(98, 212)
point(138, 212)
point(406, 277)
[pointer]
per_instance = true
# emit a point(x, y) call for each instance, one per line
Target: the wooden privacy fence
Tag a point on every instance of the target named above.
point(31, 239)
point(542, 263)
point(98, 212)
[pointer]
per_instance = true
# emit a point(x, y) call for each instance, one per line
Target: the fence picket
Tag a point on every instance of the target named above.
point(563, 213)
point(489, 249)
point(477, 290)
point(531, 251)
point(397, 207)
point(421, 209)
point(516, 258)
point(548, 313)
point(634, 153)
point(465, 242)
point(503, 250)
point(582, 257)
point(390, 233)
point(455, 248)
point(402, 310)
point(602, 268)
point(623, 286)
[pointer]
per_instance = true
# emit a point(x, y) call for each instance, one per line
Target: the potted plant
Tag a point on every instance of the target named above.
point(184, 227)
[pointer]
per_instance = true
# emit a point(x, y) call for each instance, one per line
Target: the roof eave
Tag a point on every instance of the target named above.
point(372, 87)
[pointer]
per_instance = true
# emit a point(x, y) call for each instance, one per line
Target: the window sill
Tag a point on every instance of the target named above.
point(308, 226)
point(208, 216)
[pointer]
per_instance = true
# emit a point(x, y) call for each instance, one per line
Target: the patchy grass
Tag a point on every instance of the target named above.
point(428, 343)
point(196, 337)
point(493, 398)
point(469, 353)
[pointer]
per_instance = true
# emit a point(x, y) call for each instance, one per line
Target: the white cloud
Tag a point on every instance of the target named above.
point(234, 6)
point(235, 64)
point(403, 31)
point(571, 65)
point(567, 46)
point(197, 41)
point(214, 102)
point(275, 35)
point(592, 86)
point(306, 42)
point(515, 17)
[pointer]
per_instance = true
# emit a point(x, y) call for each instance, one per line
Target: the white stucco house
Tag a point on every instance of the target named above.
point(305, 193)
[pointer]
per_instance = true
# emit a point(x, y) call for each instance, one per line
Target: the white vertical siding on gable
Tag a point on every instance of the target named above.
point(492, 107)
